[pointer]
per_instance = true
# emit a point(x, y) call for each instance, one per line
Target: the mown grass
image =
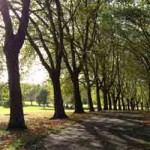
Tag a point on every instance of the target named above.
point(38, 122)
point(31, 109)
point(39, 126)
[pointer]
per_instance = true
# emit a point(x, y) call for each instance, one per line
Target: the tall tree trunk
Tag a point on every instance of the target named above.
point(132, 103)
point(142, 108)
point(99, 107)
point(115, 105)
point(137, 105)
point(59, 112)
point(16, 107)
point(149, 95)
point(12, 47)
point(105, 99)
point(114, 101)
point(109, 100)
point(90, 102)
point(77, 95)
point(119, 103)
point(122, 100)
point(128, 104)
point(87, 79)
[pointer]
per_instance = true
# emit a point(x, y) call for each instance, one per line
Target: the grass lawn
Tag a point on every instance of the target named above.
point(31, 112)
point(31, 109)
point(36, 109)
point(39, 124)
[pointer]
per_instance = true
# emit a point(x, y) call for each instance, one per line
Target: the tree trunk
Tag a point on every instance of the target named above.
point(90, 102)
point(142, 106)
point(149, 95)
point(132, 103)
point(119, 103)
point(137, 105)
point(115, 105)
point(128, 104)
point(99, 107)
point(122, 100)
point(105, 99)
point(110, 103)
point(114, 101)
point(16, 107)
point(59, 112)
point(86, 74)
point(77, 95)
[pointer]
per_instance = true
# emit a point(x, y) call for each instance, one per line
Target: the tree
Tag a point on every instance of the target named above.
point(51, 29)
point(79, 38)
point(12, 46)
point(133, 27)
point(29, 92)
point(88, 85)
point(42, 97)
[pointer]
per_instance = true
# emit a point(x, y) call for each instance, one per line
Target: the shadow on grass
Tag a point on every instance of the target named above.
point(120, 131)
point(23, 141)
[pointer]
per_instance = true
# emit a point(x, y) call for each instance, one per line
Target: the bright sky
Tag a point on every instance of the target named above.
point(36, 75)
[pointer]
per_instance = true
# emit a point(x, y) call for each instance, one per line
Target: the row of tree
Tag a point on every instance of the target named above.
point(103, 45)
point(30, 93)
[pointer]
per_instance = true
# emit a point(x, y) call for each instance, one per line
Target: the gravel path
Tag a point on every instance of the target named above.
point(104, 131)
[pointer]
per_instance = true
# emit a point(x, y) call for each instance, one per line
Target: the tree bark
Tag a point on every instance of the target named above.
point(137, 105)
point(77, 95)
point(128, 104)
point(122, 100)
point(16, 107)
point(114, 100)
point(149, 95)
point(142, 108)
point(90, 102)
point(115, 105)
point(59, 112)
point(105, 99)
point(119, 103)
point(86, 74)
point(99, 107)
point(12, 46)
point(110, 102)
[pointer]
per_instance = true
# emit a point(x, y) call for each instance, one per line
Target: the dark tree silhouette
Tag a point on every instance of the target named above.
point(13, 44)
point(53, 66)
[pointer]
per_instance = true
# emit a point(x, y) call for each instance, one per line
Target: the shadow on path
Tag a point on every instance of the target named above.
point(104, 131)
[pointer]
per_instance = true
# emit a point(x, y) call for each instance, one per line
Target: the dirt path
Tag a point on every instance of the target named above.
point(104, 131)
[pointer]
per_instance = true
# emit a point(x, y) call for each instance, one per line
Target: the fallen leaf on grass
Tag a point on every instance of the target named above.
point(38, 127)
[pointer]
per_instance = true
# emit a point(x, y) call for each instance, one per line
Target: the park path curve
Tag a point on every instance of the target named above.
point(104, 131)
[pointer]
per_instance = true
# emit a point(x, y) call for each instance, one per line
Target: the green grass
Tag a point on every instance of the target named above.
point(31, 109)
point(28, 109)
point(4, 110)
point(35, 108)
point(3, 131)
point(23, 141)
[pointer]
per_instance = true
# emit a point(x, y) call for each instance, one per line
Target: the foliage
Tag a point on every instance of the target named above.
point(42, 97)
